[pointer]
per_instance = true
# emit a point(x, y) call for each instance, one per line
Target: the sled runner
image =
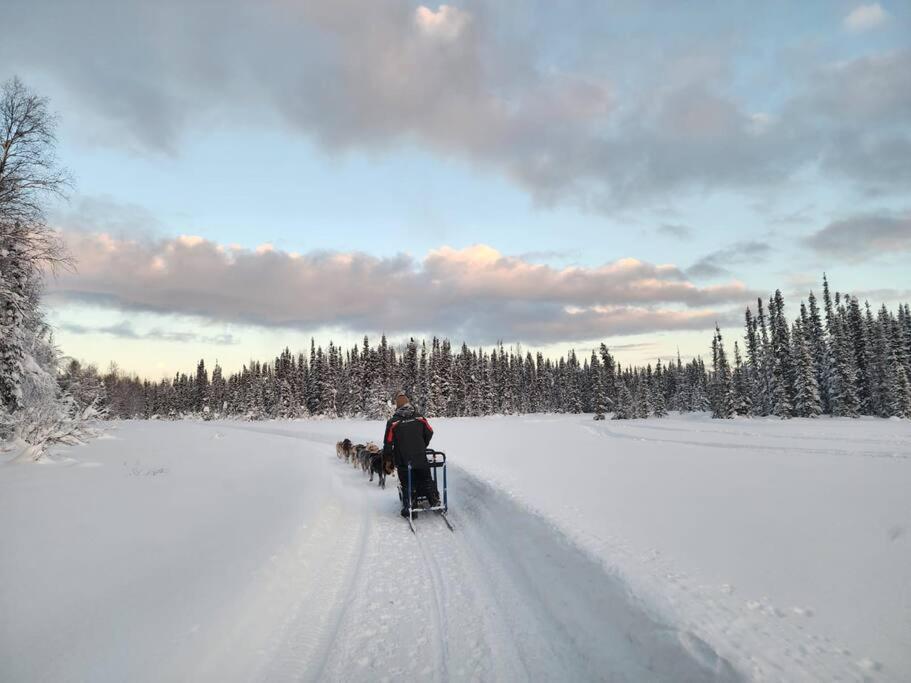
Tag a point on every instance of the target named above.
point(414, 502)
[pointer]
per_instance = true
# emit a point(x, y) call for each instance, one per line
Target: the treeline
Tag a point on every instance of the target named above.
point(360, 381)
point(853, 363)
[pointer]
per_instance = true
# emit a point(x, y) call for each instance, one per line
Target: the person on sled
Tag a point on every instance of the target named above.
point(407, 436)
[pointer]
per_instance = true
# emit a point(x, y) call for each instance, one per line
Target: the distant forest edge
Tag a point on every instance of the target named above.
point(845, 361)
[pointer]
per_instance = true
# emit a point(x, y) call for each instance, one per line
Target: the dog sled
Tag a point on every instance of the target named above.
point(417, 503)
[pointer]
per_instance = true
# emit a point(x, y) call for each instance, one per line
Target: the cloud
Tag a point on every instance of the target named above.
point(534, 93)
point(716, 263)
point(865, 17)
point(858, 116)
point(125, 330)
point(675, 230)
point(883, 295)
point(103, 214)
point(446, 23)
point(476, 293)
point(863, 237)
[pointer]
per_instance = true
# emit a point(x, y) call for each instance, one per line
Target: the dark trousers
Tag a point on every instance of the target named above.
point(422, 484)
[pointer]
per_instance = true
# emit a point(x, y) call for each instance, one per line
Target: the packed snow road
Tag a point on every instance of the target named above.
point(248, 551)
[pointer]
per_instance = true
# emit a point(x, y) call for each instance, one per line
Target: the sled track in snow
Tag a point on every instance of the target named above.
point(506, 597)
point(734, 447)
point(438, 591)
point(354, 574)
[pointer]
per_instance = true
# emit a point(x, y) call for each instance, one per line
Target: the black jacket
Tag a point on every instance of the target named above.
point(407, 436)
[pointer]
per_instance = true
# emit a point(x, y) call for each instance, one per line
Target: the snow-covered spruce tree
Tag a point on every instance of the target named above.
point(475, 407)
point(766, 362)
point(878, 361)
point(899, 390)
point(842, 376)
point(806, 391)
point(217, 392)
point(845, 401)
point(821, 357)
point(624, 409)
point(903, 335)
point(721, 388)
point(752, 369)
point(201, 387)
point(856, 329)
point(608, 365)
point(286, 408)
point(600, 396)
point(422, 391)
point(642, 395)
point(742, 395)
point(451, 403)
point(572, 384)
point(600, 402)
point(409, 371)
point(782, 384)
point(659, 403)
point(529, 385)
point(376, 406)
point(313, 386)
point(328, 382)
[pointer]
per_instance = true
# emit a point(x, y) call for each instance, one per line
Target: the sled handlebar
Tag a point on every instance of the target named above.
point(435, 457)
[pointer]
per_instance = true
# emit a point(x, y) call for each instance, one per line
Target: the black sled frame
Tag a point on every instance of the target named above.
point(436, 461)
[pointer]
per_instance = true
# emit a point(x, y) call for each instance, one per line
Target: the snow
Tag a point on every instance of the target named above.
point(677, 549)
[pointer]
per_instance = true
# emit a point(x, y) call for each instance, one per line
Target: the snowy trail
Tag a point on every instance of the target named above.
point(649, 550)
point(249, 552)
point(785, 545)
point(505, 598)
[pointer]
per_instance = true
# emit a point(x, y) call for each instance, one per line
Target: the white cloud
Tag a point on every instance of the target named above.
point(865, 17)
point(446, 23)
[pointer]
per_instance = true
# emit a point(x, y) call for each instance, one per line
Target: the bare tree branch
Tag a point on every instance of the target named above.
point(29, 175)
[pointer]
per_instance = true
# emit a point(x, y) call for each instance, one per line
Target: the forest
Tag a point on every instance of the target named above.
point(842, 360)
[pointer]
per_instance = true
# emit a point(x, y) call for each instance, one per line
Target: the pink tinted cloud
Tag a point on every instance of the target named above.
point(475, 292)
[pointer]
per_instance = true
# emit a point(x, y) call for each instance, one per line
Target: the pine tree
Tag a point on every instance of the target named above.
point(624, 408)
point(200, 400)
point(806, 400)
point(899, 390)
point(743, 404)
point(843, 382)
point(819, 351)
point(782, 378)
point(722, 395)
point(659, 403)
point(599, 393)
point(409, 379)
point(15, 307)
point(750, 377)
point(854, 327)
point(763, 402)
point(422, 392)
point(216, 400)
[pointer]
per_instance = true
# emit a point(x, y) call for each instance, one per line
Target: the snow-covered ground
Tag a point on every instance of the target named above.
point(675, 549)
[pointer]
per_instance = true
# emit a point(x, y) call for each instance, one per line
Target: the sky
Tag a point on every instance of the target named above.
point(251, 175)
